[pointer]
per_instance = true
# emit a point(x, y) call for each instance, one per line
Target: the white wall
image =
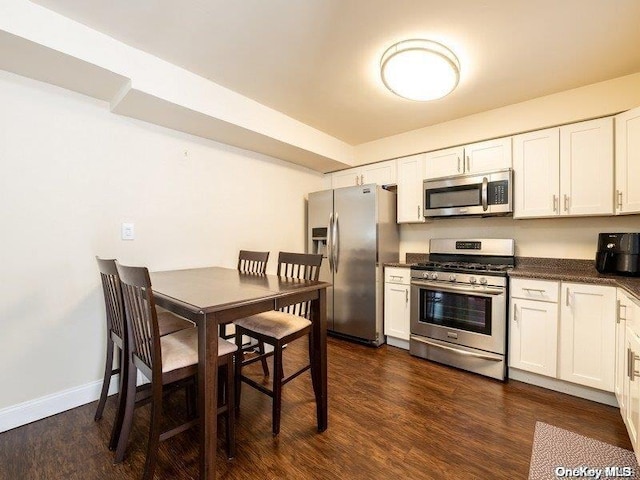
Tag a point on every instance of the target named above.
point(71, 173)
point(595, 100)
point(552, 238)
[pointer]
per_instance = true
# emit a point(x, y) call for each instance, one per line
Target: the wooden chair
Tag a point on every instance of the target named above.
point(116, 338)
point(253, 263)
point(166, 361)
point(277, 328)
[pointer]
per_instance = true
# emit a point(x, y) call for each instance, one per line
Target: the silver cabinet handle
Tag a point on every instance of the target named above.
point(515, 312)
point(357, 181)
point(418, 212)
point(619, 316)
point(567, 299)
point(628, 362)
point(633, 373)
point(566, 202)
point(361, 179)
point(539, 290)
point(468, 169)
point(555, 203)
point(619, 196)
point(485, 194)
point(406, 296)
point(398, 277)
point(458, 163)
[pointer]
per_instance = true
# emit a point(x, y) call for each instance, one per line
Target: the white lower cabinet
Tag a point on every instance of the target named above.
point(587, 335)
point(569, 335)
point(397, 303)
point(627, 382)
point(534, 334)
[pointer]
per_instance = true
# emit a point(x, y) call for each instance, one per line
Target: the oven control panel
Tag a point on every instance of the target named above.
point(459, 278)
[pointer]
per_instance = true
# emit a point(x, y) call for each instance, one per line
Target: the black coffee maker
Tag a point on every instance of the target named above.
point(618, 253)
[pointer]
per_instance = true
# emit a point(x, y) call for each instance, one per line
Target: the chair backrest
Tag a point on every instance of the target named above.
point(299, 266)
point(142, 322)
point(252, 262)
point(112, 292)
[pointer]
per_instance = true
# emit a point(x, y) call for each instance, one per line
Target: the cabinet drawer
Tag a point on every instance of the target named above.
point(543, 290)
point(397, 275)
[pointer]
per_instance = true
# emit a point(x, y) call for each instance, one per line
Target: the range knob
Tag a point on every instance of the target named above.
point(434, 276)
point(452, 278)
point(472, 280)
point(483, 280)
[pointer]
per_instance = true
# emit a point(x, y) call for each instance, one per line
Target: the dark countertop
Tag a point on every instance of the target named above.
point(560, 269)
point(571, 270)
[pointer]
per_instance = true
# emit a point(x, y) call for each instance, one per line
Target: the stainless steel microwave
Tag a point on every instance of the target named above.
point(480, 194)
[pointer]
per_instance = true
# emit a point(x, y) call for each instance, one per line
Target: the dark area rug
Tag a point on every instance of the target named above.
point(559, 453)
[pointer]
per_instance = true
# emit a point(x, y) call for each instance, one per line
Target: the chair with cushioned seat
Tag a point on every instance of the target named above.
point(277, 328)
point(167, 323)
point(252, 263)
point(167, 361)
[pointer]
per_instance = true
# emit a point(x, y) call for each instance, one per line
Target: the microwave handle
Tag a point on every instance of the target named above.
point(485, 194)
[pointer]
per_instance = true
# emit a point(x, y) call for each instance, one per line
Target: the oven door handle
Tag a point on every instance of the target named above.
point(455, 350)
point(486, 292)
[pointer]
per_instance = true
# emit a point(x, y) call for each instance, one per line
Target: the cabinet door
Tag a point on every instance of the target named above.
point(382, 173)
point(443, 163)
point(624, 311)
point(628, 162)
point(588, 335)
point(536, 173)
point(487, 156)
point(632, 387)
point(534, 336)
point(410, 189)
point(396, 310)
point(586, 168)
point(345, 178)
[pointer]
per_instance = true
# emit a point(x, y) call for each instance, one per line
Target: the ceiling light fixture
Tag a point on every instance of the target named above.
point(419, 70)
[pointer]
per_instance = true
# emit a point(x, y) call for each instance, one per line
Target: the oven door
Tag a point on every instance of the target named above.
point(470, 315)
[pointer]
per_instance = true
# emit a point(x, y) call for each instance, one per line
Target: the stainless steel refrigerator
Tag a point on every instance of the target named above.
point(356, 231)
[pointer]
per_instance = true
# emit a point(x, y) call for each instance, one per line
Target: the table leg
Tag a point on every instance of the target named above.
point(319, 360)
point(208, 394)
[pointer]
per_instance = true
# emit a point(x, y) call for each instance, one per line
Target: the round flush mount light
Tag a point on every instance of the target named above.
point(419, 70)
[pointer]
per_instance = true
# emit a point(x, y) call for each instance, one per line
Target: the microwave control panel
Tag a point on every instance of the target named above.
point(498, 192)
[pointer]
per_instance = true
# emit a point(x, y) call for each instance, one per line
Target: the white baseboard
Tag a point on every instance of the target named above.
point(588, 393)
point(398, 342)
point(32, 410)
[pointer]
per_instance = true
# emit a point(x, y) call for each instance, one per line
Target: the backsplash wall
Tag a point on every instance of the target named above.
point(549, 237)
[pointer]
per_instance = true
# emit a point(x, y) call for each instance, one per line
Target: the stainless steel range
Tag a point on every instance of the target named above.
point(459, 304)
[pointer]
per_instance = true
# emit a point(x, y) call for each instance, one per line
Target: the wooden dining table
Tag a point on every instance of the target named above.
point(212, 296)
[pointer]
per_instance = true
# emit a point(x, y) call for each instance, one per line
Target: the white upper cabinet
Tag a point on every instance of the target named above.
point(345, 178)
point(565, 171)
point(443, 163)
point(410, 189)
point(586, 167)
point(627, 199)
point(381, 173)
point(488, 156)
point(473, 158)
point(536, 173)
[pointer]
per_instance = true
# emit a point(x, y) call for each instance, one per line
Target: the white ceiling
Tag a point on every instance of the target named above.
point(317, 60)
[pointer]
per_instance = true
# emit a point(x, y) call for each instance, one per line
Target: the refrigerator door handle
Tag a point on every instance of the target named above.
point(336, 244)
point(330, 242)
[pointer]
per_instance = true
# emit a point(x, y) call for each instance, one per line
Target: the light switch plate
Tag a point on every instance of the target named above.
point(128, 232)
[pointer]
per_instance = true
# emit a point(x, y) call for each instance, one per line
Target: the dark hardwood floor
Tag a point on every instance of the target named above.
point(390, 416)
